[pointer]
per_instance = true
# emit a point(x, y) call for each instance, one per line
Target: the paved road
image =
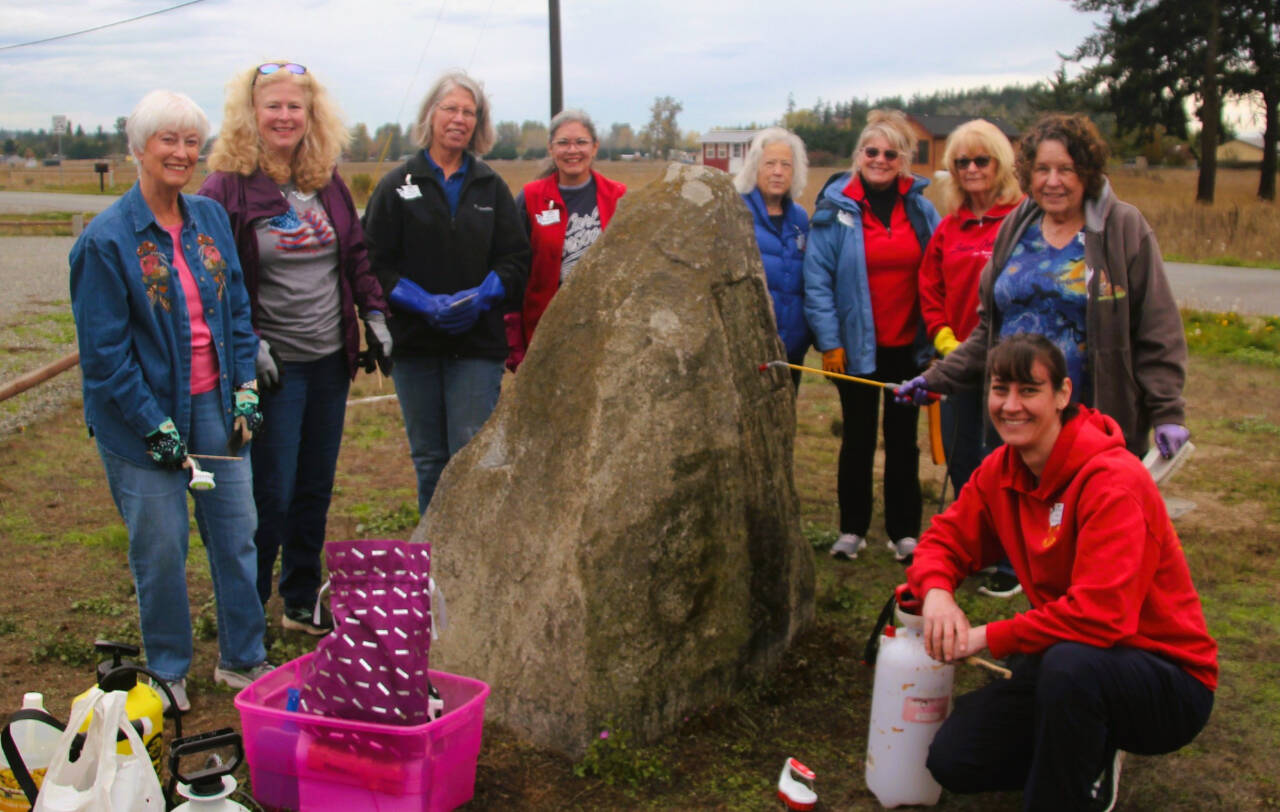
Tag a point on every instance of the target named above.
point(36, 266)
point(31, 202)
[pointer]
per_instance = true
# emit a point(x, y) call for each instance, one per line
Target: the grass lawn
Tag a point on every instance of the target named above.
point(68, 582)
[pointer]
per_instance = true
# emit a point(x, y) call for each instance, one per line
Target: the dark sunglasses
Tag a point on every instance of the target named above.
point(268, 68)
point(874, 152)
point(982, 161)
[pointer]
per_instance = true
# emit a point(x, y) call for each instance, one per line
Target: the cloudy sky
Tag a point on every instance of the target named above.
point(379, 56)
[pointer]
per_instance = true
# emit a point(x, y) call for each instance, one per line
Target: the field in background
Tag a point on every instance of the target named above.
point(1237, 230)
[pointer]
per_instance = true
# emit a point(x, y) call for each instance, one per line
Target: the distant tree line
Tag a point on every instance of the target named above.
point(76, 143)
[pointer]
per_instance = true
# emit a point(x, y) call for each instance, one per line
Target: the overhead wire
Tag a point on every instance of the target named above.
point(98, 27)
point(382, 156)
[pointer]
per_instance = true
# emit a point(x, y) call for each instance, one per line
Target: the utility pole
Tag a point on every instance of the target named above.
point(557, 84)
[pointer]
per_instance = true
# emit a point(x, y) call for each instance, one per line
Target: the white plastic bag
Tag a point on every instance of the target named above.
point(101, 780)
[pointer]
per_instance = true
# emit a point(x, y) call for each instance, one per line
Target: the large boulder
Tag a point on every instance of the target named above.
point(621, 540)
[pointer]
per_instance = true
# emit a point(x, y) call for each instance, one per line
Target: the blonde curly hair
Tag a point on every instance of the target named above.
point(239, 147)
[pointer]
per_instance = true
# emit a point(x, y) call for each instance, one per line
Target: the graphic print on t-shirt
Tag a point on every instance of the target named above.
point(310, 232)
point(579, 234)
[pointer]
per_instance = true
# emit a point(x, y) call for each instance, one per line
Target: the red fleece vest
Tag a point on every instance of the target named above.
point(548, 240)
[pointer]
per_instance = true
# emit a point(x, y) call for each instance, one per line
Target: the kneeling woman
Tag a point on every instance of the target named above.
point(1114, 653)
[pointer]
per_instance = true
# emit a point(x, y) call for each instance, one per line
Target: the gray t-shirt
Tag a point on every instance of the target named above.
point(299, 303)
point(583, 226)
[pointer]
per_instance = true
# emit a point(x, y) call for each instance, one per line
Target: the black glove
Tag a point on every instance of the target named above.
point(165, 446)
point(377, 340)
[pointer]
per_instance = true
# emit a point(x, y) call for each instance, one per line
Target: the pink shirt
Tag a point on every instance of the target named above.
point(204, 361)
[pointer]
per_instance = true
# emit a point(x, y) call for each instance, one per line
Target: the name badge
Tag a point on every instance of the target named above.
point(1055, 515)
point(548, 218)
point(410, 190)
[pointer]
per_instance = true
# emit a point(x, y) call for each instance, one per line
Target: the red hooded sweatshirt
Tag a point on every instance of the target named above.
point(1091, 544)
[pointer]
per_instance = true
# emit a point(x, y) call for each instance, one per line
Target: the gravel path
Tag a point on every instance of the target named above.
point(35, 326)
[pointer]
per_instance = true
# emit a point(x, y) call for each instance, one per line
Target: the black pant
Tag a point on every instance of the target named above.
point(1051, 729)
point(860, 404)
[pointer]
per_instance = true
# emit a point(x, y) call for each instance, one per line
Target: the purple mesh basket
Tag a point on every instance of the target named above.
point(373, 666)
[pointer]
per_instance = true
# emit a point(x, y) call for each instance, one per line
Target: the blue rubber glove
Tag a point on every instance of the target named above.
point(409, 295)
point(1170, 437)
point(467, 306)
point(914, 391)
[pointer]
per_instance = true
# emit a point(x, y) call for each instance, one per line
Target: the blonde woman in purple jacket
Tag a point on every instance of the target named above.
point(306, 270)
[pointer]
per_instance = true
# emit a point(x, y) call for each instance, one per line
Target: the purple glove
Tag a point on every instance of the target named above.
point(1170, 437)
point(914, 391)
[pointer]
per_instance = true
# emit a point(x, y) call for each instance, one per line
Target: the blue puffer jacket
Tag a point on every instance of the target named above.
point(837, 298)
point(783, 254)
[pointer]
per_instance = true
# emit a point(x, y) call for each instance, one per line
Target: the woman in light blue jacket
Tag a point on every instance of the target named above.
point(867, 239)
point(772, 177)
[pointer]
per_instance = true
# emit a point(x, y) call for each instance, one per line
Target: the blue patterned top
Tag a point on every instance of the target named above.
point(1044, 290)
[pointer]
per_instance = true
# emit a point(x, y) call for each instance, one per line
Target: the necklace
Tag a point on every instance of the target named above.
point(290, 189)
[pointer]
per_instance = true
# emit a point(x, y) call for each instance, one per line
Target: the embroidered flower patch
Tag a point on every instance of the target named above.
point(155, 275)
point(213, 262)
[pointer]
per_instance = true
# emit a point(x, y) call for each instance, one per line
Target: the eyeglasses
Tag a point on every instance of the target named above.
point(451, 110)
point(982, 161)
point(565, 143)
point(268, 68)
point(874, 152)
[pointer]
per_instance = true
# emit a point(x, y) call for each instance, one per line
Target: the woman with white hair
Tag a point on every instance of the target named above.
point(167, 359)
point(772, 177)
point(448, 246)
point(868, 236)
point(565, 210)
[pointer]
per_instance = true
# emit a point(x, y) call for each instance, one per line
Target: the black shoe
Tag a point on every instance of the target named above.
point(1106, 789)
point(302, 619)
point(1001, 585)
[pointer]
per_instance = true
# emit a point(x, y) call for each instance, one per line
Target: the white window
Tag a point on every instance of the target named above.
point(722, 150)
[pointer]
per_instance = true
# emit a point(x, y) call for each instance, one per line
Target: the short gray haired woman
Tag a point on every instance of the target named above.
point(772, 177)
point(167, 360)
point(449, 248)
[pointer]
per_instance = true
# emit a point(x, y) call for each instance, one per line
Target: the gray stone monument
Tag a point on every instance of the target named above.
point(621, 540)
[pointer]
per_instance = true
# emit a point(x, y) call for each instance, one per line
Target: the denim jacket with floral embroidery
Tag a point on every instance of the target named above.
point(132, 323)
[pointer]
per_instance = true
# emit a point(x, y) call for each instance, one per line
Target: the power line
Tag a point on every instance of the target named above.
point(98, 27)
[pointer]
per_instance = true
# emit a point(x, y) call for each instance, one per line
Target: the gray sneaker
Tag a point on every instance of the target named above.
point(239, 678)
point(902, 548)
point(848, 546)
point(178, 688)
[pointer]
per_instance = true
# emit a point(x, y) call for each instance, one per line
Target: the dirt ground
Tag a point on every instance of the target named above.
point(67, 582)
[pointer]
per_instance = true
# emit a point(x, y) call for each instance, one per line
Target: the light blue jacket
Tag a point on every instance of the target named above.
point(133, 326)
point(782, 251)
point(837, 297)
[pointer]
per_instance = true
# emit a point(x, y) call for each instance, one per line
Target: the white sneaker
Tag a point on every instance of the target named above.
point(902, 548)
point(178, 688)
point(848, 546)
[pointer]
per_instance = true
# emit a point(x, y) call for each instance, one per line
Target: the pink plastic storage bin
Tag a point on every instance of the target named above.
point(310, 763)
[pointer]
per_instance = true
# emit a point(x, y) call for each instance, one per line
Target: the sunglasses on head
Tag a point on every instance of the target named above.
point(982, 161)
point(268, 68)
point(874, 152)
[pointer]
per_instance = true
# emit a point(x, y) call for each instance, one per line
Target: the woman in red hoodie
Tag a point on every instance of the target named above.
point(1114, 654)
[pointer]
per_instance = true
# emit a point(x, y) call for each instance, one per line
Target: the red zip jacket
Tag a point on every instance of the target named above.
point(953, 260)
point(548, 241)
point(1091, 544)
point(893, 266)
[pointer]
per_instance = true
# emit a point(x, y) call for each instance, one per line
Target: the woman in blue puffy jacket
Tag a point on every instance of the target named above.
point(771, 179)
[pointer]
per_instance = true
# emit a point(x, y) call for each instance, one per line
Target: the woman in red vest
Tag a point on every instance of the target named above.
point(566, 211)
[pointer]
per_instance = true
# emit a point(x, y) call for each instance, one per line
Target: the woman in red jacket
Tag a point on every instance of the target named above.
point(566, 210)
point(979, 188)
point(1113, 655)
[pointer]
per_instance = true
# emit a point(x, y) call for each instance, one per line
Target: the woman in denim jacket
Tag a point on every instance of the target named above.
point(167, 358)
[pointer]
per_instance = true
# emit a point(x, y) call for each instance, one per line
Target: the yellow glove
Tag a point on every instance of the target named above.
point(945, 341)
point(833, 360)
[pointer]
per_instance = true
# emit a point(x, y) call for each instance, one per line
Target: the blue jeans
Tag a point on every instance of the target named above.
point(962, 423)
point(444, 401)
point(153, 503)
point(294, 459)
